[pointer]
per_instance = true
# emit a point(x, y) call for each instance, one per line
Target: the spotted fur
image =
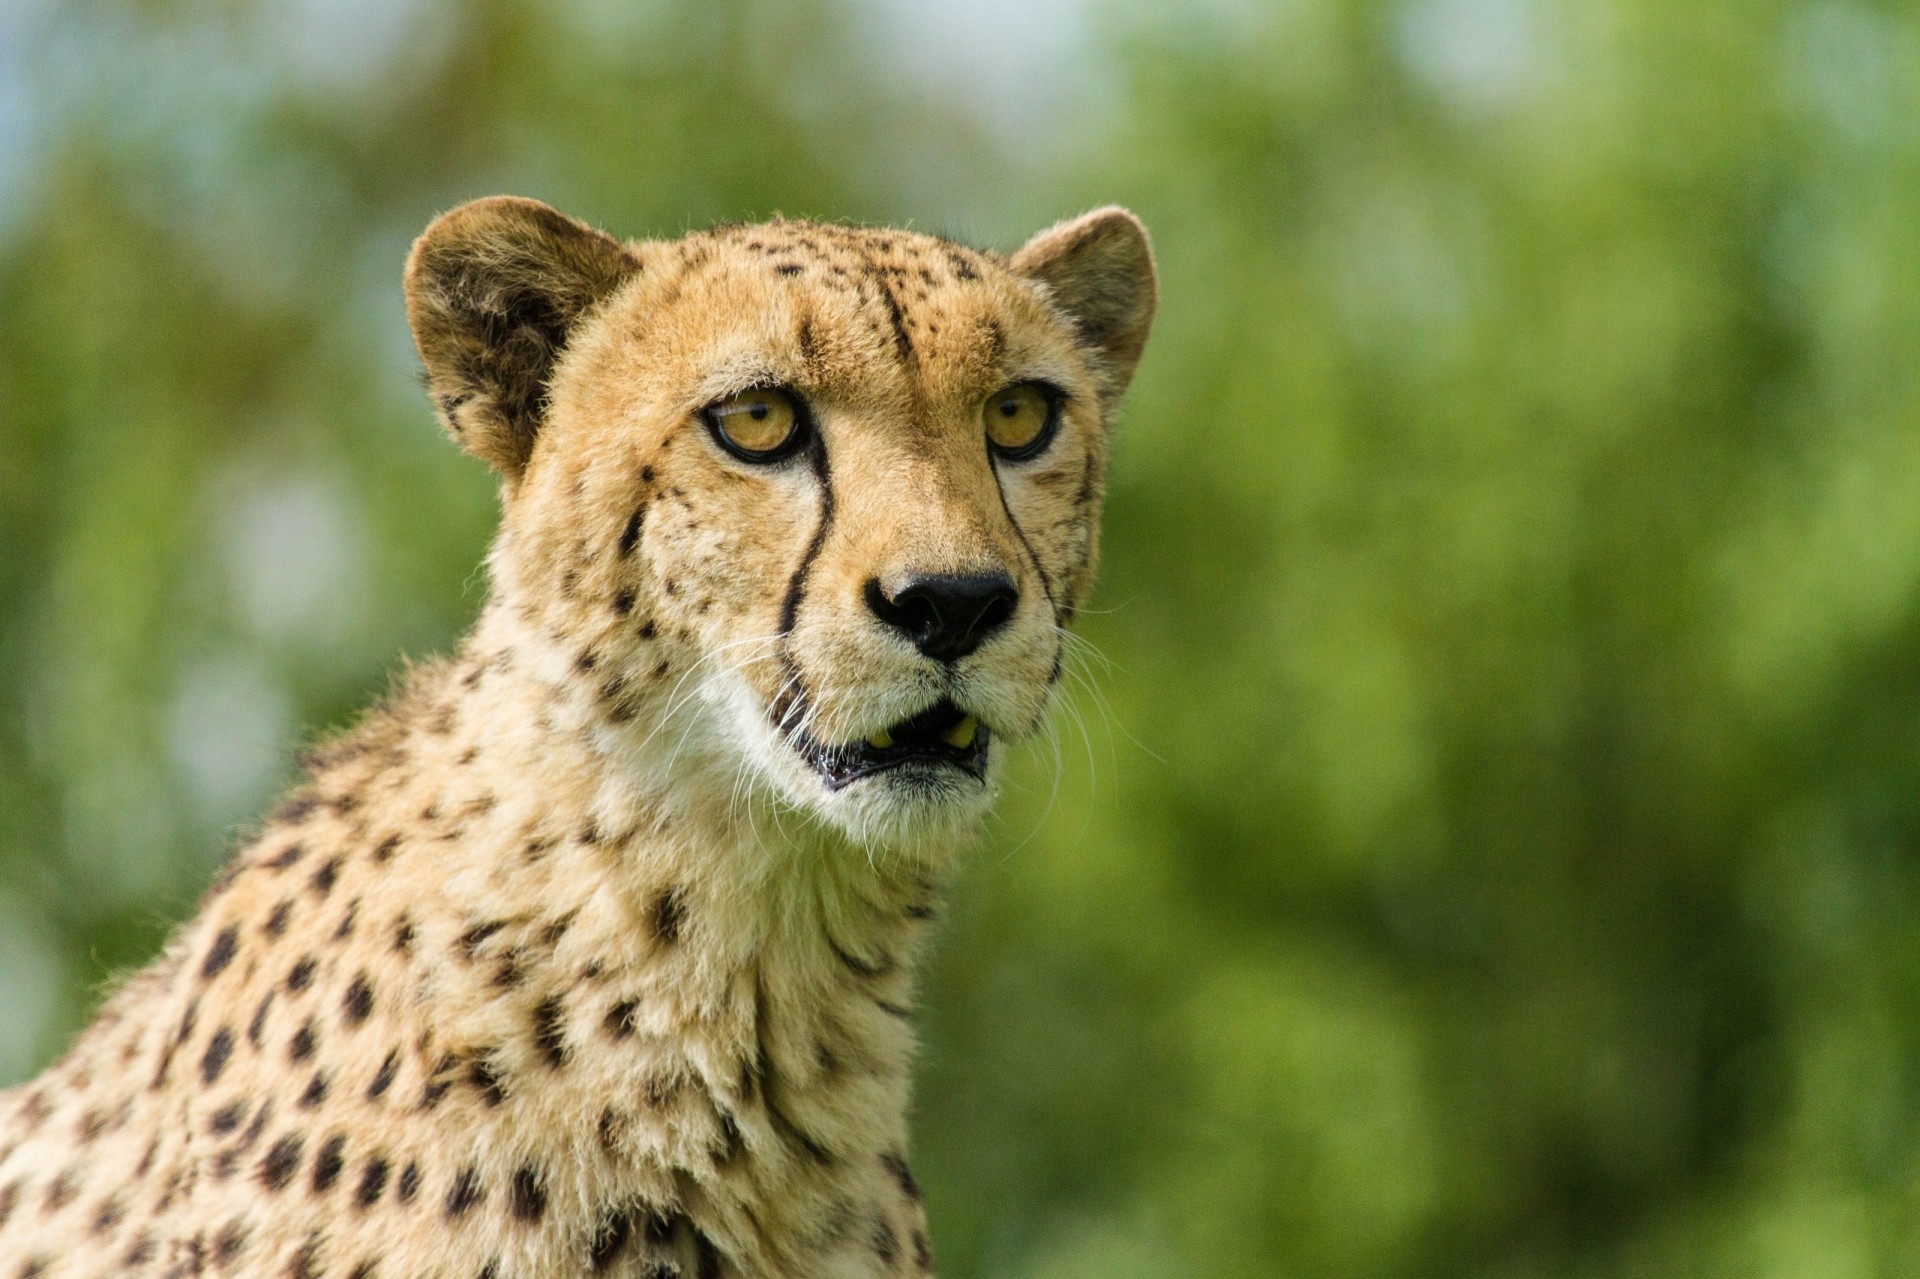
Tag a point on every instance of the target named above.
point(563, 962)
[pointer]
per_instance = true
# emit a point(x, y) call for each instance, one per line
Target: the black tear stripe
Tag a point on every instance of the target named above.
point(788, 709)
point(797, 584)
point(1046, 583)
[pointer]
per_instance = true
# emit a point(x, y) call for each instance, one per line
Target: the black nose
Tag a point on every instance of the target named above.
point(946, 615)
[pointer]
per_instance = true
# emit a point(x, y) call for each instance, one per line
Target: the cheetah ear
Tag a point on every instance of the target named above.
point(493, 289)
point(1098, 268)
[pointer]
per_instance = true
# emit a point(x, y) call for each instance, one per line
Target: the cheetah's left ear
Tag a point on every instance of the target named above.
point(493, 290)
point(1098, 268)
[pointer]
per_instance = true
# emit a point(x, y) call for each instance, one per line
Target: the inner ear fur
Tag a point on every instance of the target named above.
point(1098, 269)
point(493, 288)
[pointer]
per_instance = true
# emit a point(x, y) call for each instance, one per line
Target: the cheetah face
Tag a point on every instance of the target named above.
point(808, 504)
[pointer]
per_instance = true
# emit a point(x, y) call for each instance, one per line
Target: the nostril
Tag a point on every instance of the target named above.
point(946, 615)
point(997, 613)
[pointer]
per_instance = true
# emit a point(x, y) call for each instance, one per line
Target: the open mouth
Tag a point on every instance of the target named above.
point(942, 736)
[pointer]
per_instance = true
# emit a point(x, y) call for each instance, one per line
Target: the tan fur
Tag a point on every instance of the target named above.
point(564, 962)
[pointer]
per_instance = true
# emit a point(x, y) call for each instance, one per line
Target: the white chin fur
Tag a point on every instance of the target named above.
point(897, 810)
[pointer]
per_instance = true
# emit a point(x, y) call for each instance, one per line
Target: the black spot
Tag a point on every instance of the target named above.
point(142, 1250)
point(358, 1003)
point(902, 1175)
point(373, 1180)
point(383, 1078)
point(609, 1238)
point(886, 1244)
point(434, 1090)
point(860, 967)
point(383, 852)
point(630, 535)
point(221, 953)
point(256, 1029)
point(484, 1075)
point(510, 971)
point(732, 1142)
point(818, 1153)
point(403, 935)
point(466, 1192)
point(922, 1249)
point(306, 1262)
point(219, 1049)
point(789, 268)
point(297, 808)
point(301, 1046)
point(623, 602)
point(323, 879)
point(528, 1198)
point(475, 937)
point(109, 1215)
point(608, 1129)
point(287, 856)
point(315, 1091)
point(549, 1032)
point(364, 1270)
point(706, 1257)
point(409, 1183)
point(228, 1117)
point(230, 1242)
point(254, 1129)
point(347, 920)
point(647, 630)
point(490, 1271)
point(327, 1164)
point(619, 1022)
point(277, 921)
point(92, 1123)
point(61, 1192)
point(282, 1160)
point(667, 916)
point(301, 975)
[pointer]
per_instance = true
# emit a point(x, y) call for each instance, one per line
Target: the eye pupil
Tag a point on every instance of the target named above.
point(759, 412)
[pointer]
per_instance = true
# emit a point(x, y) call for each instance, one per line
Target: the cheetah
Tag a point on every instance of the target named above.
point(590, 951)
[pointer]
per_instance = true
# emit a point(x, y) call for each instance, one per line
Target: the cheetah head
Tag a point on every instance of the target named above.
point(808, 504)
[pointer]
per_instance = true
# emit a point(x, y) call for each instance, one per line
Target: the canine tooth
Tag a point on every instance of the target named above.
point(880, 739)
point(960, 736)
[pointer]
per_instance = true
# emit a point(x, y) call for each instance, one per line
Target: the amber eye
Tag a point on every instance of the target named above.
point(760, 425)
point(1019, 420)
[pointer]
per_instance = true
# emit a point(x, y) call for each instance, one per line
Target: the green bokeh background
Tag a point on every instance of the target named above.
point(1490, 844)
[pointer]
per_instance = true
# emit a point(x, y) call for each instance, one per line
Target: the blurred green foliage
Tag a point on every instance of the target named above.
point(1494, 843)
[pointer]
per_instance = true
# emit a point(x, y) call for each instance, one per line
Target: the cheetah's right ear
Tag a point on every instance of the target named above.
point(1098, 268)
point(493, 289)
